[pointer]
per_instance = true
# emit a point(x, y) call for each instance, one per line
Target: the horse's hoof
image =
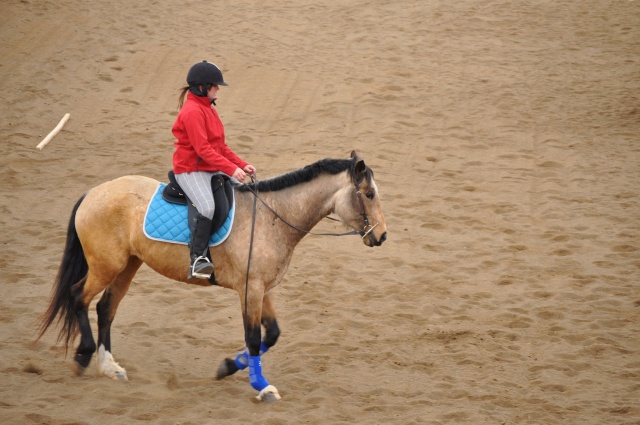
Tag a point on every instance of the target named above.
point(120, 376)
point(269, 394)
point(108, 367)
point(77, 369)
point(82, 360)
point(227, 367)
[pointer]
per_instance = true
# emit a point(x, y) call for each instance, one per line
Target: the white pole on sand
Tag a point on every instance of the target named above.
point(53, 132)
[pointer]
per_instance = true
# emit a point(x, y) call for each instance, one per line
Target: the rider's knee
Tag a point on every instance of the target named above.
point(208, 212)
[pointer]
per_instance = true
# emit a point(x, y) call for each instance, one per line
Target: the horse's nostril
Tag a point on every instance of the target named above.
point(383, 237)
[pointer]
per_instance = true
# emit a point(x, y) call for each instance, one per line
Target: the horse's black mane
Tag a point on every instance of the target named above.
point(308, 173)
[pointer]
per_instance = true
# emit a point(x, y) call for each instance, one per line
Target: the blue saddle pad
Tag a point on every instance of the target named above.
point(167, 222)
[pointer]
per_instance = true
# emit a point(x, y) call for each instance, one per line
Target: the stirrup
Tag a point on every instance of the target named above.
point(201, 261)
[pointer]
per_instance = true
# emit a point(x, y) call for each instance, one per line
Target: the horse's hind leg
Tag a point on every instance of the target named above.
point(83, 292)
point(106, 309)
point(87, 345)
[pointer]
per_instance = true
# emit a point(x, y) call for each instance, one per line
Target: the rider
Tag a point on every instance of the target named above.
point(200, 153)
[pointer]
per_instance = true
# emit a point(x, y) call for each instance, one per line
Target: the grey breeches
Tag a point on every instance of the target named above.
point(197, 187)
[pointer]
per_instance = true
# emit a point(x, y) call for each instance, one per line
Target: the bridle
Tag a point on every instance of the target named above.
point(368, 227)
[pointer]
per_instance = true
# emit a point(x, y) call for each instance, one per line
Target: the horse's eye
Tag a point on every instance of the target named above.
point(370, 195)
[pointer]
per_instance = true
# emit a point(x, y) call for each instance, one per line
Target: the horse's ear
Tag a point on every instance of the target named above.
point(359, 171)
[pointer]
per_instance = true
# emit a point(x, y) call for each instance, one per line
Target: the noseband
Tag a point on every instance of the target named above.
point(368, 227)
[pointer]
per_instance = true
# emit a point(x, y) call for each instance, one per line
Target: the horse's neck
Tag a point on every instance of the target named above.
point(304, 205)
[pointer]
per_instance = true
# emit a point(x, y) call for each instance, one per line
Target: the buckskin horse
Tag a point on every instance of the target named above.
point(106, 245)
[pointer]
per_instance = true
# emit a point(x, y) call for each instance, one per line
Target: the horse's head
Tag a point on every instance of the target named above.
point(360, 204)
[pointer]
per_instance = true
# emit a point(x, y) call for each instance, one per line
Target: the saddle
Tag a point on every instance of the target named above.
point(222, 196)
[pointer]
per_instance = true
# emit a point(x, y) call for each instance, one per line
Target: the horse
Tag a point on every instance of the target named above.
point(106, 245)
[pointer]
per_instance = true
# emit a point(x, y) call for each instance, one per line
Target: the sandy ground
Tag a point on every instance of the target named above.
point(504, 136)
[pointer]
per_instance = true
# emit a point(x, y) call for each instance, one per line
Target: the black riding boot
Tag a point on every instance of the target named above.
point(200, 267)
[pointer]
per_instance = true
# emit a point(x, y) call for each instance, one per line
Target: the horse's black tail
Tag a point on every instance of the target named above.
point(73, 269)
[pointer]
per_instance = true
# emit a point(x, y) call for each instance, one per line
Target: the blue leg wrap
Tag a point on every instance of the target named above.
point(257, 381)
point(242, 359)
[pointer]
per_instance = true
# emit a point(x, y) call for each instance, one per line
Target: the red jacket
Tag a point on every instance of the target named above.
point(200, 144)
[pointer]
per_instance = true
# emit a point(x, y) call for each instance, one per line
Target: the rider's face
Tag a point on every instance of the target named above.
point(213, 92)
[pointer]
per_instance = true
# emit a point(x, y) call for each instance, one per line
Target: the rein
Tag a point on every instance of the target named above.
point(254, 177)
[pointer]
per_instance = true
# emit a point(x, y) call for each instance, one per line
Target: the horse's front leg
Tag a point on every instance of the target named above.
point(257, 312)
point(241, 360)
point(256, 347)
point(269, 322)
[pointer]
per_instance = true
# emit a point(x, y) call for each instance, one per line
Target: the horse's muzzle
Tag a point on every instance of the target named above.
point(371, 241)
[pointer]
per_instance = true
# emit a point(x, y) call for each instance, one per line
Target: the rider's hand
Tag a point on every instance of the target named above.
point(250, 169)
point(239, 175)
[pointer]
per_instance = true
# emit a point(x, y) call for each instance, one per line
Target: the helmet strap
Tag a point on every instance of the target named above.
point(196, 90)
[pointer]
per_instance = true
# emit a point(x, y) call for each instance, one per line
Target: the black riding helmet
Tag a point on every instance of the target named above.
point(201, 74)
